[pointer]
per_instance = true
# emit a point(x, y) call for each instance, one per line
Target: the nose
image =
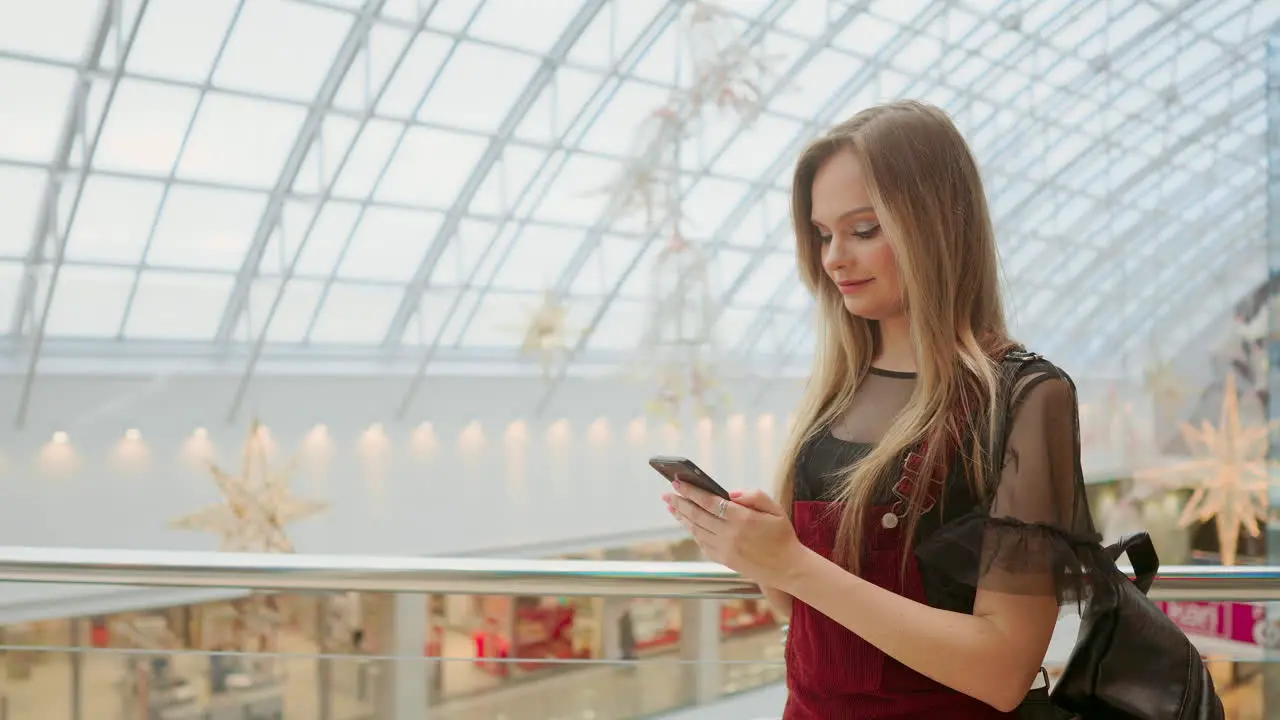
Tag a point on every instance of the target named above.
point(836, 255)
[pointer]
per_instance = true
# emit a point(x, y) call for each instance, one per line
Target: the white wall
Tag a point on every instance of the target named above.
point(578, 471)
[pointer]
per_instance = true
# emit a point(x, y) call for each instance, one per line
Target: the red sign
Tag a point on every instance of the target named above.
point(1240, 622)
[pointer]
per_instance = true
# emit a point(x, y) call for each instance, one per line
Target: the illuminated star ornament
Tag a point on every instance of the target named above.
point(1229, 477)
point(258, 503)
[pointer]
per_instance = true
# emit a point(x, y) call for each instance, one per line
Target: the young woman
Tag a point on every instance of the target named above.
point(930, 515)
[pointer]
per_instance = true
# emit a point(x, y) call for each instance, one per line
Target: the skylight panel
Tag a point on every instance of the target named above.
point(605, 266)
point(433, 310)
point(293, 315)
point(816, 82)
point(454, 101)
point(612, 31)
point(281, 49)
point(582, 191)
point(35, 103)
point(389, 244)
point(21, 197)
point(809, 17)
point(567, 98)
point(866, 35)
point(507, 180)
point(145, 128)
point(770, 273)
point(372, 67)
point(732, 324)
point(10, 283)
point(526, 25)
point(430, 167)
point(205, 228)
point(364, 166)
point(538, 255)
point(58, 29)
point(114, 220)
point(411, 81)
point(615, 130)
point(453, 15)
point(355, 314)
point(177, 306)
point(708, 204)
point(659, 63)
point(328, 239)
point(180, 39)
point(240, 141)
point(621, 327)
point(90, 302)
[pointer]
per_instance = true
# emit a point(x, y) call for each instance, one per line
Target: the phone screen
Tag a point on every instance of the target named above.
point(684, 469)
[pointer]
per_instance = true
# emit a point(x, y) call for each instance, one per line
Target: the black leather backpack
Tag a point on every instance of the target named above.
point(1130, 661)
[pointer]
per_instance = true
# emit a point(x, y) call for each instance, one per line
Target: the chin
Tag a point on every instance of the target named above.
point(867, 310)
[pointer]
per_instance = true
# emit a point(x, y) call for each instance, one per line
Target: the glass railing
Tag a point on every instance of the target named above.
point(90, 634)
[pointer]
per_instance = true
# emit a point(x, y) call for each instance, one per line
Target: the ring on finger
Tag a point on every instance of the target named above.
point(722, 508)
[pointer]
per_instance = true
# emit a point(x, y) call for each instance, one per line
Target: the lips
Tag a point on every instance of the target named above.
point(848, 287)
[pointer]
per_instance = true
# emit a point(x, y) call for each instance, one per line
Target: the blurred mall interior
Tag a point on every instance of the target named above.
point(436, 277)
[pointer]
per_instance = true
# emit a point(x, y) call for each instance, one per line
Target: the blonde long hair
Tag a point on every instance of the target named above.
point(927, 191)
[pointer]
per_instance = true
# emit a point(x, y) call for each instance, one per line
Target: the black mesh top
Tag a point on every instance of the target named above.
point(1033, 533)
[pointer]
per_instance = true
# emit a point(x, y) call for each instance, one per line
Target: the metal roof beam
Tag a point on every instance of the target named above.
point(73, 126)
point(545, 74)
point(259, 344)
point(356, 38)
point(536, 188)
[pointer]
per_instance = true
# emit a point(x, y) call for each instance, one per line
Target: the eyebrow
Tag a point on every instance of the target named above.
point(850, 213)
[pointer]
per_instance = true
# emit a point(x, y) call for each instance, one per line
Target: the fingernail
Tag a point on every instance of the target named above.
point(675, 484)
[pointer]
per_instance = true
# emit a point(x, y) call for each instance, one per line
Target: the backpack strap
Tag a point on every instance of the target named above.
point(1011, 367)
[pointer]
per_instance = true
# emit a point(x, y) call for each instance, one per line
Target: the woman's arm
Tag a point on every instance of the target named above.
point(779, 601)
point(993, 655)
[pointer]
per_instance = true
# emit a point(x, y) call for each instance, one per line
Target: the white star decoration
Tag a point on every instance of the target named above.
point(258, 504)
point(1230, 476)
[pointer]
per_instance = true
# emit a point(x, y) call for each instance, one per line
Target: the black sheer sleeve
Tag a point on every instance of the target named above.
point(1031, 533)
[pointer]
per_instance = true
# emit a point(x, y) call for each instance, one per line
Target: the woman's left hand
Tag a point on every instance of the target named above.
point(750, 534)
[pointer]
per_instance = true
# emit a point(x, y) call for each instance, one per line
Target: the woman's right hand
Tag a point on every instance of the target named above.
point(779, 601)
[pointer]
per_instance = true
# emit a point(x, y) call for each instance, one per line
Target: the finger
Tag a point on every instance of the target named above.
point(702, 498)
point(759, 501)
point(696, 515)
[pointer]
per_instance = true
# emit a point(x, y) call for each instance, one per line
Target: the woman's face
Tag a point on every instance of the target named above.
point(855, 254)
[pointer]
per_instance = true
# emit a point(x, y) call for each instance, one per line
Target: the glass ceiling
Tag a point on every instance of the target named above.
point(402, 180)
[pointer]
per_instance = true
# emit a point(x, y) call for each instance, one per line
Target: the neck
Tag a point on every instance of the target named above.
point(894, 350)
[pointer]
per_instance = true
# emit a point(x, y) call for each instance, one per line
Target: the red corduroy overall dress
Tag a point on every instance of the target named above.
point(832, 674)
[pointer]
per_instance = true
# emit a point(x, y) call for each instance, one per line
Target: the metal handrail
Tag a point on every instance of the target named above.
point(489, 576)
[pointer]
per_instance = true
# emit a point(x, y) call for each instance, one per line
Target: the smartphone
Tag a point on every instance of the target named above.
point(673, 468)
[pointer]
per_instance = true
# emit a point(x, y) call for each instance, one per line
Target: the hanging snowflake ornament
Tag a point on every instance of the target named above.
point(258, 503)
point(1230, 475)
point(647, 182)
point(546, 336)
point(729, 74)
point(679, 343)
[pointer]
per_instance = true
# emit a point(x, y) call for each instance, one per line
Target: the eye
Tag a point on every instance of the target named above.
point(823, 236)
point(866, 231)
